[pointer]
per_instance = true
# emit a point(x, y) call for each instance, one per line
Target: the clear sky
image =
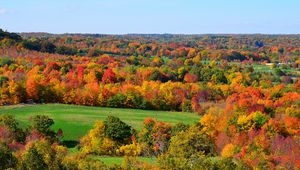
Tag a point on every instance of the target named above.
point(151, 16)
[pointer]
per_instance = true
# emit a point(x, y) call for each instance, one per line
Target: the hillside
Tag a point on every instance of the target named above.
point(75, 121)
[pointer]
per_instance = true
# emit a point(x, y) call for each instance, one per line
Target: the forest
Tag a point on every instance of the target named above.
point(244, 88)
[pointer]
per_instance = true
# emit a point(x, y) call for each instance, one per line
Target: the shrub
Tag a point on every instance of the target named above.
point(130, 150)
point(133, 163)
point(228, 151)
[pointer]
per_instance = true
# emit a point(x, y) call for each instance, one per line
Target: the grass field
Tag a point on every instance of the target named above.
point(111, 160)
point(119, 160)
point(267, 69)
point(75, 121)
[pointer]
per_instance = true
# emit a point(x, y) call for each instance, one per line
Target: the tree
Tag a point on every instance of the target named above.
point(278, 72)
point(14, 36)
point(33, 88)
point(109, 76)
point(12, 125)
point(117, 130)
point(190, 78)
point(7, 158)
point(42, 124)
point(32, 159)
point(96, 142)
point(3, 80)
point(154, 137)
point(179, 127)
point(9, 121)
point(117, 101)
point(47, 46)
point(41, 155)
point(157, 75)
point(64, 50)
point(186, 148)
point(5, 61)
point(192, 141)
point(32, 44)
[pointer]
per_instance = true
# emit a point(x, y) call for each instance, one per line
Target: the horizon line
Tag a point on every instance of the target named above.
point(86, 33)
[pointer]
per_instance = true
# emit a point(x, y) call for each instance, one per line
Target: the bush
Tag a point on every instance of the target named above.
point(216, 163)
point(77, 162)
point(130, 150)
point(133, 163)
point(201, 163)
point(91, 164)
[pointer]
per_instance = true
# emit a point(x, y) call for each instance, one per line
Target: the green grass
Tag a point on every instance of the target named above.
point(75, 121)
point(119, 160)
point(267, 69)
point(262, 68)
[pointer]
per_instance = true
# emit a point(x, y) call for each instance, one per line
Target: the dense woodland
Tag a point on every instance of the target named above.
point(250, 118)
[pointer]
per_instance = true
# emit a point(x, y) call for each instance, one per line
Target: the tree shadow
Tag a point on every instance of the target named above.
point(70, 143)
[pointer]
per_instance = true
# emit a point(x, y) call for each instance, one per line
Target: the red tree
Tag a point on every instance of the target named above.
point(109, 76)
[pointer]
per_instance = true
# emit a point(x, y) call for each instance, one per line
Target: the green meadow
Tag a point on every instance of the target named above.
point(75, 121)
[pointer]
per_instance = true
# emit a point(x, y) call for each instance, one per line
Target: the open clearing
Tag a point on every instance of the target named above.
point(75, 121)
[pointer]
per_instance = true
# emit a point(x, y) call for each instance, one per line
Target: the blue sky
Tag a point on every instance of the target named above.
point(151, 16)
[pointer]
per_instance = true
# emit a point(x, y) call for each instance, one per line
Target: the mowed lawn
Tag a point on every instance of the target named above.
point(75, 121)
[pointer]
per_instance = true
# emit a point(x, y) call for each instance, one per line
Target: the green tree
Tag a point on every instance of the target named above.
point(3, 80)
point(278, 72)
point(116, 129)
point(117, 101)
point(179, 127)
point(42, 155)
point(11, 123)
point(5, 61)
point(42, 124)
point(157, 75)
point(186, 148)
point(7, 159)
point(33, 160)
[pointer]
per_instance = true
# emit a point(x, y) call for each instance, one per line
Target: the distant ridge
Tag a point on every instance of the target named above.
point(165, 35)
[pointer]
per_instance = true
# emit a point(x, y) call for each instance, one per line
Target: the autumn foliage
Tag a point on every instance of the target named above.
point(246, 89)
